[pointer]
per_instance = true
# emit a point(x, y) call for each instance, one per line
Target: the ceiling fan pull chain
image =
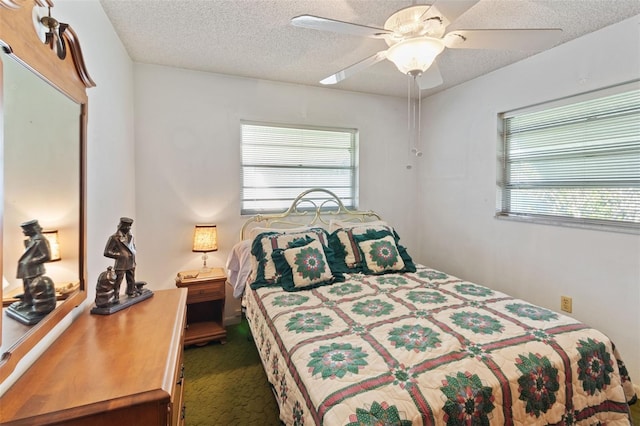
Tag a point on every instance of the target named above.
point(417, 152)
point(414, 114)
point(409, 129)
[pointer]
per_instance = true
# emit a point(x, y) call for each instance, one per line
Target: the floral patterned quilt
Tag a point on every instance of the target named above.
point(427, 348)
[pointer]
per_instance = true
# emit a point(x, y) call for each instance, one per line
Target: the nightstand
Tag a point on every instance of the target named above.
point(205, 305)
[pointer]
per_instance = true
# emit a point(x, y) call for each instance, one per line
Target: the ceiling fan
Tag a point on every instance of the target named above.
point(416, 36)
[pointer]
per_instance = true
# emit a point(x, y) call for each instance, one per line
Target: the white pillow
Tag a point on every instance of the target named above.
point(339, 224)
point(239, 267)
point(254, 232)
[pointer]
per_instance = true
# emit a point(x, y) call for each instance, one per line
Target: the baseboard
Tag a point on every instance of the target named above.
point(232, 320)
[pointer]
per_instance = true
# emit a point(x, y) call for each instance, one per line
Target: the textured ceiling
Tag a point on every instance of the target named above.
point(253, 38)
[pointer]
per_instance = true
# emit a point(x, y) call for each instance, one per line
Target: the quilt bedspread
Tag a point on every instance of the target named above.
point(427, 348)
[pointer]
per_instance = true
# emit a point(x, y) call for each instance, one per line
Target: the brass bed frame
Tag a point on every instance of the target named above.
point(315, 206)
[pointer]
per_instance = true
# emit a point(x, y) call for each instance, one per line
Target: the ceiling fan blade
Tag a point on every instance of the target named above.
point(450, 10)
point(325, 24)
point(355, 68)
point(516, 39)
point(430, 78)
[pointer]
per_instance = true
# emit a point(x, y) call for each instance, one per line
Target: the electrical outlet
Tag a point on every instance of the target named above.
point(566, 303)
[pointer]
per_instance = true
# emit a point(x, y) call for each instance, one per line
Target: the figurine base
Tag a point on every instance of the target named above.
point(25, 316)
point(124, 303)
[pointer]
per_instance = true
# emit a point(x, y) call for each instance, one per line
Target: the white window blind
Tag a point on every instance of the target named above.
point(281, 161)
point(576, 164)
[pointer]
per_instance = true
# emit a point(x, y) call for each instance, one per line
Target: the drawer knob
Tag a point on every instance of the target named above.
point(181, 378)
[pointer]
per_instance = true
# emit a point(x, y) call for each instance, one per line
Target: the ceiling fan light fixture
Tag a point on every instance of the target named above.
point(415, 55)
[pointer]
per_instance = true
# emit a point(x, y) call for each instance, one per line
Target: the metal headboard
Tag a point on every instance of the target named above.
point(306, 211)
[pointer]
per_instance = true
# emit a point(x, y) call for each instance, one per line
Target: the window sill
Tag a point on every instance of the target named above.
point(594, 225)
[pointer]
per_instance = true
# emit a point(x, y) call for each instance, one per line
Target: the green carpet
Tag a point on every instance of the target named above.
point(635, 412)
point(226, 385)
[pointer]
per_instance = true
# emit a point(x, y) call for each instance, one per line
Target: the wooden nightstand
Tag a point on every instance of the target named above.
point(205, 305)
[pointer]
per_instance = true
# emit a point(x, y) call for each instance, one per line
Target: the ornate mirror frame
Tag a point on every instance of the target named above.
point(57, 60)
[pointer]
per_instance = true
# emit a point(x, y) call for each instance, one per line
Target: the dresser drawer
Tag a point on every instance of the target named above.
point(177, 396)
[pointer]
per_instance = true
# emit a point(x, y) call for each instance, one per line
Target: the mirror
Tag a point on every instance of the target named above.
point(41, 176)
point(43, 129)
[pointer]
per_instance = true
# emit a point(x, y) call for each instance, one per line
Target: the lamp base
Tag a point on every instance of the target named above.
point(204, 268)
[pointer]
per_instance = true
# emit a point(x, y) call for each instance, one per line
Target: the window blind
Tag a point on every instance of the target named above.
point(280, 161)
point(577, 163)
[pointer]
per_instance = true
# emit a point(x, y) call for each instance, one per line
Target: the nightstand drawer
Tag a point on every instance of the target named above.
point(202, 293)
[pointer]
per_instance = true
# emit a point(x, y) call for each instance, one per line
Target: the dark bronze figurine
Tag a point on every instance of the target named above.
point(39, 297)
point(121, 247)
point(105, 288)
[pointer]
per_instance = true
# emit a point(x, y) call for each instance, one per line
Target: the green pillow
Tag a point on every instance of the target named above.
point(265, 273)
point(305, 265)
point(381, 253)
point(345, 247)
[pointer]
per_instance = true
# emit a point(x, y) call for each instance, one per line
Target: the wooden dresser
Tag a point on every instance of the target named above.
point(119, 369)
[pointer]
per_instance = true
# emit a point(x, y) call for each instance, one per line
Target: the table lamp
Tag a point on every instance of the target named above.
point(205, 239)
point(54, 244)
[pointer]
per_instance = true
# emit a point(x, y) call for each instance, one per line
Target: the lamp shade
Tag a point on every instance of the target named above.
point(54, 244)
point(415, 55)
point(205, 238)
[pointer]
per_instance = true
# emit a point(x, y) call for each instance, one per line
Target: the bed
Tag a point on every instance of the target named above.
point(380, 340)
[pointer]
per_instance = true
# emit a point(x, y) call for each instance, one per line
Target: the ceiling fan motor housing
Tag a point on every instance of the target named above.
point(414, 21)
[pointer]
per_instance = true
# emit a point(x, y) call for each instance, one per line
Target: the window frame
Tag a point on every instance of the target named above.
point(352, 189)
point(503, 182)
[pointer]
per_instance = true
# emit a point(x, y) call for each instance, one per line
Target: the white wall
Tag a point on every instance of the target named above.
point(188, 158)
point(458, 231)
point(110, 133)
point(110, 137)
point(110, 144)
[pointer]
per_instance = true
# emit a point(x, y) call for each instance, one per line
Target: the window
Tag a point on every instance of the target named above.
point(574, 162)
point(281, 161)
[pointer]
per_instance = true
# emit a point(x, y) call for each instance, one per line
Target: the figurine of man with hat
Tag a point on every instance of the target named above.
point(121, 247)
point(31, 263)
